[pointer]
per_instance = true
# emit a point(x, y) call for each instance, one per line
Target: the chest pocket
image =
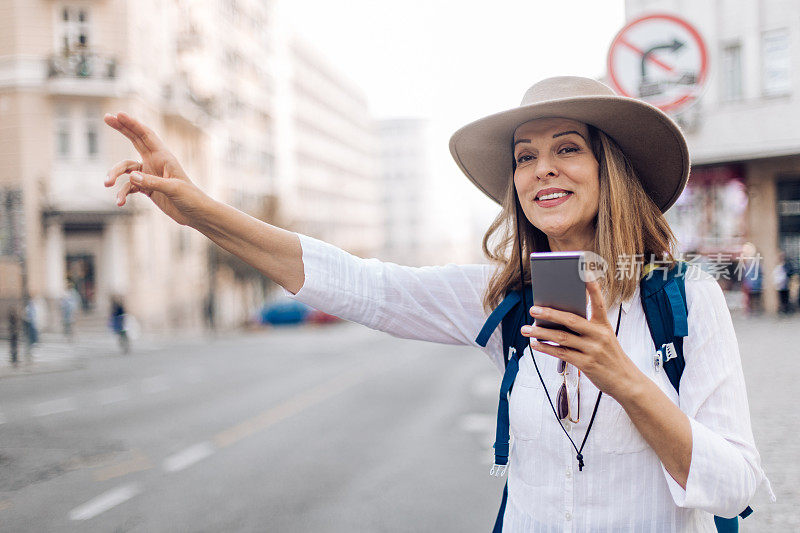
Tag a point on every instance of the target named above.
point(525, 410)
point(615, 430)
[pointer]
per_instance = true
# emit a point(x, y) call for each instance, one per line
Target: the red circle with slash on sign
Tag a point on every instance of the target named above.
point(660, 59)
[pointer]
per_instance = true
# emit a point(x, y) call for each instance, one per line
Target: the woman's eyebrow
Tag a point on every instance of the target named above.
point(567, 133)
point(554, 136)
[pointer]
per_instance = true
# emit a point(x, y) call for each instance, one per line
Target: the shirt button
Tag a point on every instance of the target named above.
point(569, 472)
point(568, 515)
point(567, 426)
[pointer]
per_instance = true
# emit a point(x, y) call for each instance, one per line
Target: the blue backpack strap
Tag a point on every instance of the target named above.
point(513, 348)
point(496, 317)
point(501, 446)
point(726, 525)
point(515, 318)
point(664, 302)
point(498, 523)
point(663, 298)
point(514, 344)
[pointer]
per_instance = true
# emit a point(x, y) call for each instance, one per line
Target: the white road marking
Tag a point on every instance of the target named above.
point(62, 405)
point(155, 384)
point(113, 394)
point(104, 502)
point(188, 457)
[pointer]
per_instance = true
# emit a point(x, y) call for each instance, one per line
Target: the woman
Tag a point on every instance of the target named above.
point(589, 171)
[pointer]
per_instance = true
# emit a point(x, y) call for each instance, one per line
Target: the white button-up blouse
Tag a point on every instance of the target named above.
point(623, 486)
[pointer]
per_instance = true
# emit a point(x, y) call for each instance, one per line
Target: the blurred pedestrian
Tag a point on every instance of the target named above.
point(69, 305)
point(780, 278)
point(118, 323)
point(209, 309)
point(574, 168)
point(29, 325)
point(13, 335)
point(752, 279)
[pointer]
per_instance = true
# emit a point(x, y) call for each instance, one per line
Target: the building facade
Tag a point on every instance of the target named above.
point(416, 230)
point(745, 148)
point(255, 121)
point(335, 194)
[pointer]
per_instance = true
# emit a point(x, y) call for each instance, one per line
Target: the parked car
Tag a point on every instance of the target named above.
point(318, 317)
point(282, 312)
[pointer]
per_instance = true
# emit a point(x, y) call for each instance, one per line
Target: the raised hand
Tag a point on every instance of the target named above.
point(159, 175)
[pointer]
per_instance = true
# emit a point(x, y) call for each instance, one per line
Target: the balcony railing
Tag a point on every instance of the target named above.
point(81, 64)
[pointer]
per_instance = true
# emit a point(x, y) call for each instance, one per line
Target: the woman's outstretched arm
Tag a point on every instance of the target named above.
point(272, 250)
point(275, 252)
point(439, 304)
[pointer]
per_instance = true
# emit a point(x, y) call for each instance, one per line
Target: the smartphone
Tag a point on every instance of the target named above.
point(557, 283)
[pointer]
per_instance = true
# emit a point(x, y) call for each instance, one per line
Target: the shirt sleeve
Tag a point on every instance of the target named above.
point(725, 468)
point(434, 303)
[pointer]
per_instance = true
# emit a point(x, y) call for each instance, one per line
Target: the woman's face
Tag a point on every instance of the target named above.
point(557, 180)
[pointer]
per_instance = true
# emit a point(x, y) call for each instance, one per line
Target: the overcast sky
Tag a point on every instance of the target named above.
point(456, 61)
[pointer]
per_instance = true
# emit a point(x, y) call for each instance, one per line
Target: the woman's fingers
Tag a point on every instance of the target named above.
point(115, 123)
point(149, 183)
point(123, 167)
point(598, 304)
point(123, 193)
point(560, 337)
point(568, 355)
point(143, 138)
point(574, 322)
point(128, 189)
point(147, 137)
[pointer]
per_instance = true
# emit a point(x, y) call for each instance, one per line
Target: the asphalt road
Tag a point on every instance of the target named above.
point(330, 429)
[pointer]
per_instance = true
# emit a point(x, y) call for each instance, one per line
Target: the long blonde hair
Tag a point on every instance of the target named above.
point(629, 228)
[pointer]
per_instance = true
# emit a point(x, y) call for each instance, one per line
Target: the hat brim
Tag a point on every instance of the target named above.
point(652, 142)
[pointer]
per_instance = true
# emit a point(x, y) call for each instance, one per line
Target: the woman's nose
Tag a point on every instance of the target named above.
point(545, 168)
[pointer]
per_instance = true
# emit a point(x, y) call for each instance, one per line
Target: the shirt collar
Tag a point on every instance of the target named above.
point(627, 303)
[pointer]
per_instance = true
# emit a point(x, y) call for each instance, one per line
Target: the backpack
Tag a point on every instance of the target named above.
point(663, 299)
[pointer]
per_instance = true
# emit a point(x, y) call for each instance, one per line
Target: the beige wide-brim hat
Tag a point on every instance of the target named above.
point(650, 139)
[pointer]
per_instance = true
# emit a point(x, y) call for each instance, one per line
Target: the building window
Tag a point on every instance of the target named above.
point(63, 140)
point(74, 28)
point(235, 150)
point(63, 134)
point(92, 131)
point(91, 139)
point(776, 62)
point(732, 72)
point(266, 163)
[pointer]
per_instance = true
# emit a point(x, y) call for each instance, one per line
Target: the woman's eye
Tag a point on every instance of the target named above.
point(522, 158)
point(568, 150)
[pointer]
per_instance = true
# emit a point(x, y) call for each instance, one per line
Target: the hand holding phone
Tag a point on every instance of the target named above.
point(557, 283)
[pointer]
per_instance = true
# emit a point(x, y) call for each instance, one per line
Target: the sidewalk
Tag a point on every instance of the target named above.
point(53, 353)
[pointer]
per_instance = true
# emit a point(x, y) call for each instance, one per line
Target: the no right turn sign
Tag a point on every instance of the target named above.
point(660, 59)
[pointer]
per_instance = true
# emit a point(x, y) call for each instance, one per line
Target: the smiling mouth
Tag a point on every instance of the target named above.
point(553, 195)
point(554, 198)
